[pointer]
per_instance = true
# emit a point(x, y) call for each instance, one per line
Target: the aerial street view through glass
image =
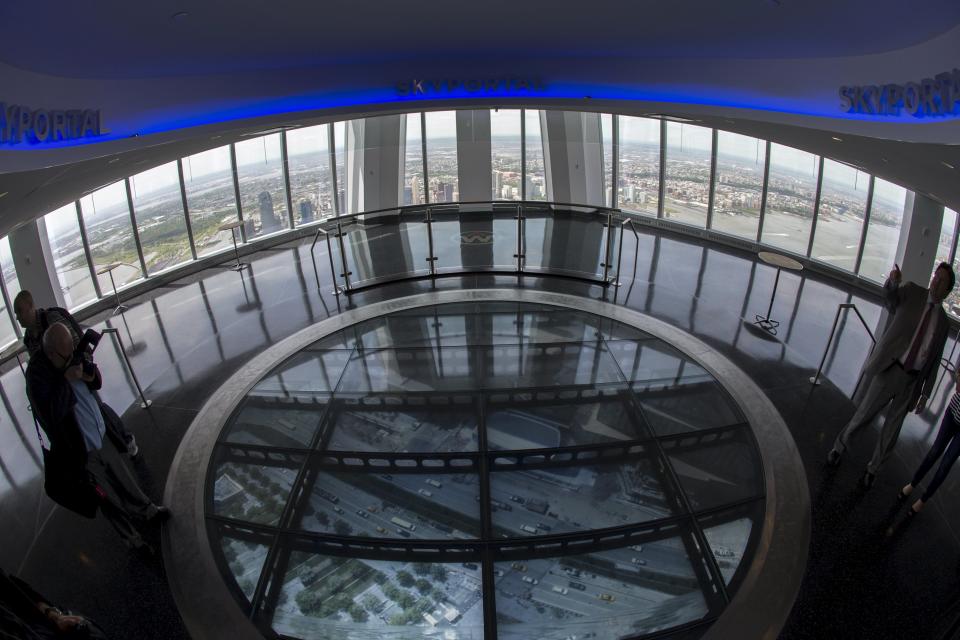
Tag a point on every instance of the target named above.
point(427, 466)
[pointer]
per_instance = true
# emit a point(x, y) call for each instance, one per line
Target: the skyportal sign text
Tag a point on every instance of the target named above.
point(455, 86)
point(19, 123)
point(937, 96)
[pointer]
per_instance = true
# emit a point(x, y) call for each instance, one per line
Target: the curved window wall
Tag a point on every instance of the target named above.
point(814, 207)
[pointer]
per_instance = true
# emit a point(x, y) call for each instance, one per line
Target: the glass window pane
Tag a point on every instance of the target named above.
point(606, 141)
point(311, 185)
point(505, 153)
point(414, 191)
point(332, 597)
point(442, 156)
point(536, 178)
point(843, 204)
point(420, 506)
point(639, 164)
point(267, 422)
point(339, 153)
point(211, 200)
point(619, 593)
point(883, 232)
point(106, 217)
point(790, 198)
point(66, 244)
point(160, 221)
point(606, 420)
point(947, 234)
point(7, 332)
point(739, 189)
point(687, 189)
point(262, 192)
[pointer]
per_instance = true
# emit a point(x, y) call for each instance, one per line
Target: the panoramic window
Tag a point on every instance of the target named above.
point(211, 199)
point(505, 151)
point(791, 196)
point(687, 188)
point(535, 182)
point(639, 165)
point(106, 217)
point(69, 259)
point(414, 189)
point(263, 195)
point(948, 232)
point(883, 231)
point(843, 205)
point(738, 191)
point(606, 143)
point(442, 156)
point(311, 182)
point(158, 208)
point(389, 422)
point(7, 331)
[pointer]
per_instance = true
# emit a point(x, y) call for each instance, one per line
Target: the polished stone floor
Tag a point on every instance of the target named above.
point(868, 575)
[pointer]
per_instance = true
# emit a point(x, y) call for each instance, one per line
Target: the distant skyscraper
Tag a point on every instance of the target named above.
point(629, 193)
point(448, 192)
point(528, 188)
point(441, 192)
point(407, 196)
point(343, 200)
point(498, 183)
point(415, 190)
point(269, 222)
point(306, 211)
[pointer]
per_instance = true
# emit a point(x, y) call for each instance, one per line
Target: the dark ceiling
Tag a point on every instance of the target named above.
point(123, 39)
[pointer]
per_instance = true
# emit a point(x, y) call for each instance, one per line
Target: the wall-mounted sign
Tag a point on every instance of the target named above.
point(19, 123)
point(937, 96)
point(459, 86)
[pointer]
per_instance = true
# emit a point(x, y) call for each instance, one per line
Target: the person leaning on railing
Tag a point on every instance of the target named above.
point(35, 323)
point(946, 444)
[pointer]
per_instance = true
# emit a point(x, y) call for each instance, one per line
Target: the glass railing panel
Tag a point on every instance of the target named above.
point(569, 241)
point(386, 246)
point(475, 238)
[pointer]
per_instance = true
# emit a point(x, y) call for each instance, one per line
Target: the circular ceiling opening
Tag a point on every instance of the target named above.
point(455, 470)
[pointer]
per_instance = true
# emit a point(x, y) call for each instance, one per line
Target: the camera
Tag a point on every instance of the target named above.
point(83, 352)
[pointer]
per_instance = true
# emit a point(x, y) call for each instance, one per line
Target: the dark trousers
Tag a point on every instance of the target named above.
point(948, 440)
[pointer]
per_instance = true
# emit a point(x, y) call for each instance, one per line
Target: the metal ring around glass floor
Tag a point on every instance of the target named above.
point(758, 609)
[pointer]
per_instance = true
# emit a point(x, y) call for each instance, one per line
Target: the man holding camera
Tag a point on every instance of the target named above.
point(60, 384)
point(35, 322)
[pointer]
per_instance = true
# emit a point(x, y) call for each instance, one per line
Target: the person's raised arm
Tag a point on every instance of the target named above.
point(892, 294)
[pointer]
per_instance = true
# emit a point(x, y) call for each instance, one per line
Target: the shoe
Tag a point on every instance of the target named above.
point(833, 458)
point(868, 479)
point(902, 495)
point(132, 449)
point(162, 514)
point(911, 512)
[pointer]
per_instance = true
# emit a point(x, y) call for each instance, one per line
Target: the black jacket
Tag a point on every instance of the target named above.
point(52, 400)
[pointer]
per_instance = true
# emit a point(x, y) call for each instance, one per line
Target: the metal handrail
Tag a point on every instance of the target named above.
point(337, 289)
point(815, 380)
point(144, 403)
point(627, 222)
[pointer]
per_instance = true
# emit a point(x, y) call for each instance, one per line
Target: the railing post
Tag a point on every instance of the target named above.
point(337, 290)
point(431, 259)
point(608, 256)
point(343, 258)
point(815, 380)
point(144, 403)
point(520, 254)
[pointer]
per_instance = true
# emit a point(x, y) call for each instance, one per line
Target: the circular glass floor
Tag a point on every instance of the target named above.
point(489, 468)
